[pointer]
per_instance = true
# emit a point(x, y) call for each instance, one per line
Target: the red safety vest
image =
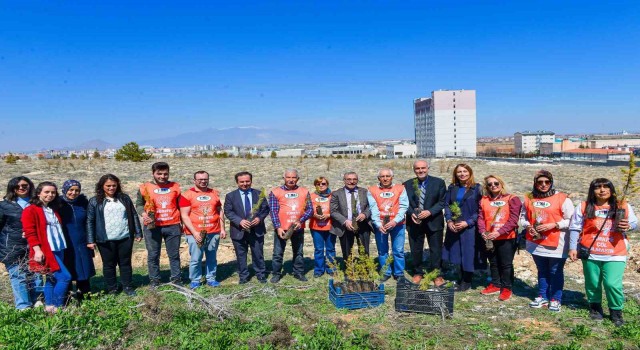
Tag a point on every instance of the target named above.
point(205, 210)
point(387, 199)
point(496, 214)
point(609, 242)
point(324, 203)
point(292, 204)
point(164, 198)
point(545, 211)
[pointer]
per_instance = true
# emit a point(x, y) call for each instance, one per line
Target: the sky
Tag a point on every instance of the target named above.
point(119, 71)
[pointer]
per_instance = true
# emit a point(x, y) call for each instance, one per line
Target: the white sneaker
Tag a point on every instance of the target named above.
point(38, 304)
point(539, 302)
point(554, 306)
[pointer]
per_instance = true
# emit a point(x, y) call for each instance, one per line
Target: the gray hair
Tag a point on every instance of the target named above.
point(385, 169)
point(420, 160)
point(344, 176)
point(292, 170)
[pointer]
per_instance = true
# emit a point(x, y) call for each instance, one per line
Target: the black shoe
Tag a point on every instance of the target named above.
point(243, 282)
point(385, 278)
point(463, 287)
point(154, 284)
point(113, 291)
point(616, 317)
point(275, 278)
point(595, 311)
point(262, 280)
point(129, 291)
point(395, 278)
point(176, 281)
point(317, 275)
point(300, 278)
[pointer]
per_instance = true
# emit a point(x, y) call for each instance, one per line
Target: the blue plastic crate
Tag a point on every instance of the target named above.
point(354, 301)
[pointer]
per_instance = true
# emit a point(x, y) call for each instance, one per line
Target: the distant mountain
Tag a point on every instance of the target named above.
point(238, 136)
point(95, 144)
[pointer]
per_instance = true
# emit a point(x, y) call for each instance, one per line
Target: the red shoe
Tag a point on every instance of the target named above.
point(491, 289)
point(505, 294)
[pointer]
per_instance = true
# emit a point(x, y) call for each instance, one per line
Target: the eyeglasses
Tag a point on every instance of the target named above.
point(351, 180)
point(202, 180)
point(543, 182)
point(491, 184)
point(22, 186)
point(385, 176)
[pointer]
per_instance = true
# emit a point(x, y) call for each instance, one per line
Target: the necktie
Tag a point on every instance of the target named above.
point(247, 204)
point(354, 206)
point(421, 196)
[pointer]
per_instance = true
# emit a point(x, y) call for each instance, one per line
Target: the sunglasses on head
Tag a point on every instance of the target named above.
point(491, 184)
point(543, 182)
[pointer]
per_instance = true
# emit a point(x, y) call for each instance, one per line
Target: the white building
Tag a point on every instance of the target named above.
point(529, 141)
point(445, 124)
point(401, 150)
point(349, 150)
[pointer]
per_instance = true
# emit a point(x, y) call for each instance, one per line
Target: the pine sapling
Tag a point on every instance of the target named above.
point(629, 188)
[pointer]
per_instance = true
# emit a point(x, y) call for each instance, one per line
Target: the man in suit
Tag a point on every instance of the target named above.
point(424, 217)
point(350, 203)
point(246, 210)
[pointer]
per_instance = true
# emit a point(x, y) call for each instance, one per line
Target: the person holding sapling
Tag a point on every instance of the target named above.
point(157, 203)
point(201, 213)
point(389, 203)
point(545, 217)
point(112, 226)
point(461, 244)
point(324, 242)
point(290, 207)
point(350, 215)
point(604, 247)
point(497, 225)
point(424, 217)
point(246, 210)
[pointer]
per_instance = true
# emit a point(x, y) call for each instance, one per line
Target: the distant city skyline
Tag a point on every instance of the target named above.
point(122, 71)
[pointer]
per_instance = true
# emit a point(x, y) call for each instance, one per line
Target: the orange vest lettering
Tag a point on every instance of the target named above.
point(292, 204)
point(205, 210)
point(388, 200)
point(545, 211)
point(323, 202)
point(164, 199)
point(609, 242)
point(496, 214)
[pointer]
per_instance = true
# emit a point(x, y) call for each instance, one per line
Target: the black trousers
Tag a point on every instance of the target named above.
point(349, 238)
point(279, 244)
point(242, 246)
point(116, 253)
point(501, 262)
point(417, 234)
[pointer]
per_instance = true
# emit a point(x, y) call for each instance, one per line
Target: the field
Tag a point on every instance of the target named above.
point(299, 315)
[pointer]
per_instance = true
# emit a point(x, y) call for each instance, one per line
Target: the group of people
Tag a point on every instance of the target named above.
point(465, 224)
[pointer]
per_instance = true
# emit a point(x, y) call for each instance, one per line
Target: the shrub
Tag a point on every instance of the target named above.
point(131, 152)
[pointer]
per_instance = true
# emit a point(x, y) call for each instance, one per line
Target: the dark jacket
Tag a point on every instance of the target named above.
point(13, 247)
point(77, 258)
point(234, 211)
point(96, 232)
point(433, 202)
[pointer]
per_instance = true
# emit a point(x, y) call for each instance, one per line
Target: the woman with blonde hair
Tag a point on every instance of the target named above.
point(497, 225)
point(320, 225)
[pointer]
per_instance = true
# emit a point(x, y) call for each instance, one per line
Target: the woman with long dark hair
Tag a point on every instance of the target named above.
point(47, 244)
point(14, 249)
point(592, 226)
point(113, 225)
point(463, 195)
point(79, 258)
point(545, 216)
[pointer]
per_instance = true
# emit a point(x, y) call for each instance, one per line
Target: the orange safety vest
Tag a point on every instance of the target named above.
point(387, 199)
point(164, 198)
point(205, 210)
point(292, 204)
point(609, 242)
point(545, 211)
point(496, 214)
point(324, 203)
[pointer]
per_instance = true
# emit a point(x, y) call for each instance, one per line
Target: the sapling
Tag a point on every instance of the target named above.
point(203, 232)
point(489, 243)
point(456, 212)
point(418, 192)
point(149, 208)
point(537, 221)
point(256, 206)
point(630, 187)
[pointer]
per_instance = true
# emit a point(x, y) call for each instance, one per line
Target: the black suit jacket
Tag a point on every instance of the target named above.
point(234, 211)
point(433, 202)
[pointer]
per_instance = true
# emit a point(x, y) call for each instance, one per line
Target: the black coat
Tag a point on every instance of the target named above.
point(77, 257)
point(433, 202)
point(96, 232)
point(13, 247)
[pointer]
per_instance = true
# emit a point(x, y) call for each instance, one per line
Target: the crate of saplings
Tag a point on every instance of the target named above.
point(432, 296)
point(358, 285)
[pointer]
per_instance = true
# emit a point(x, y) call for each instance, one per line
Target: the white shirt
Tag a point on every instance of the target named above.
point(55, 236)
point(116, 223)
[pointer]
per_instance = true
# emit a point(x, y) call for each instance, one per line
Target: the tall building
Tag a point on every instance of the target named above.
point(529, 141)
point(445, 124)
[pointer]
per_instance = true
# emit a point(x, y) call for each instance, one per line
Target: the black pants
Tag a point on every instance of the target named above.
point(242, 246)
point(172, 235)
point(501, 262)
point(349, 238)
point(279, 244)
point(116, 253)
point(417, 234)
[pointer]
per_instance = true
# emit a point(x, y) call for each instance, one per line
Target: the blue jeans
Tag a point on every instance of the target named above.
point(57, 283)
point(23, 285)
point(209, 250)
point(397, 249)
point(325, 249)
point(550, 277)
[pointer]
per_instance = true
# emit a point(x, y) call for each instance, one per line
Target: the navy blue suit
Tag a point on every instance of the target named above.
point(234, 211)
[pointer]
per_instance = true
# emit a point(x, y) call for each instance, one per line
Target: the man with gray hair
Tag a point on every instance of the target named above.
point(389, 203)
point(290, 208)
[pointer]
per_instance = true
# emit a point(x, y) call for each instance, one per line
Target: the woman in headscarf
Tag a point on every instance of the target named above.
point(546, 215)
point(320, 225)
point(78, 258)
